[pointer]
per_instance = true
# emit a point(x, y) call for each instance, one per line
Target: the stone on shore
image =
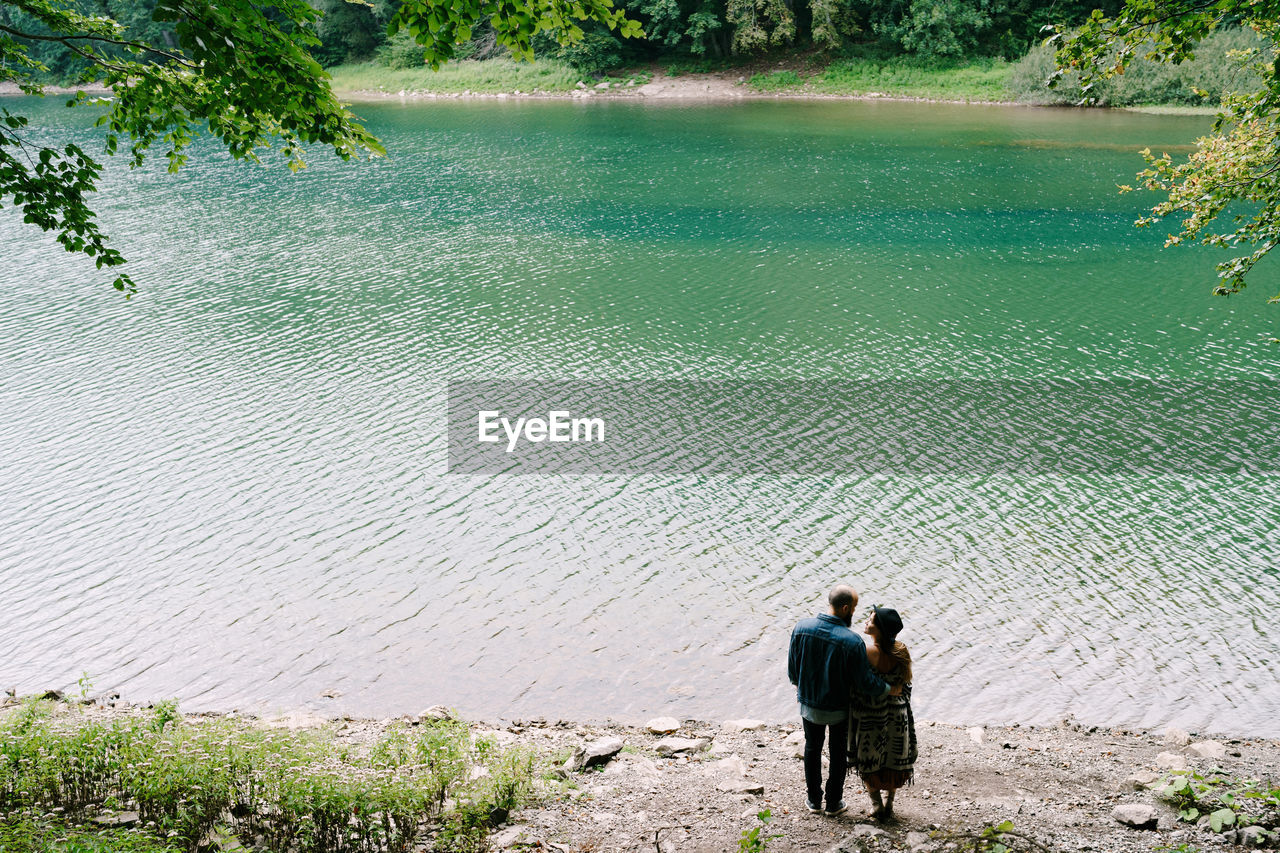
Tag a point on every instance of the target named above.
point(662, 725)
point(743, 725)
point(1137, 815)
point(732, 766)
point(509, 837)
point(438, 712)
point(918, 841)
point(977, 734)
point(1174, 736)
point(1171, 761)
point(740, 786)
point(1210, 749)
point(117, 820)
point(597, 752)
point(676, 745)
point(296, 720)
point(1253, 836)
point(1140, 781)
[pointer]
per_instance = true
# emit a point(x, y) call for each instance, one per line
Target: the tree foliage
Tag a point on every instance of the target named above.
point(240, 70)
point(1227, 192)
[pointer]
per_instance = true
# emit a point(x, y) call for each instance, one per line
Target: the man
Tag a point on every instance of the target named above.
point(827, 663)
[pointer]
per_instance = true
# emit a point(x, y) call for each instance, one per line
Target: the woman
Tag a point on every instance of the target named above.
point(882, 732)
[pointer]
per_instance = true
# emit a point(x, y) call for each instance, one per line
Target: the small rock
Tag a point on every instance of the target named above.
point(1252, 836)
point(662, 725)
point(598, 752)
point(1139, 781)
point(1211, 749)
point(796, 737)
point(731, 766)
point(740, 786)
point(866, 830)
point(1171, 761)
point(508, 837)
point(675, 745)
point(497, 736)
point(438, 712)
point(117, 820)
point(581, 85)
point(1174, 736)
point(917, 842)
point(296, 720)
point(743, 725)
point(1137, 815)
point(976, 734)
point(604, 85)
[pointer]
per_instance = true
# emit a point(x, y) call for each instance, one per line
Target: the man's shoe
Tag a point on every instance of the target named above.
point(813, 807)
point(838, 809)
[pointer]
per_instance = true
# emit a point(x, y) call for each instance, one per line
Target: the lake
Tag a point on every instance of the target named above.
point(233, 488)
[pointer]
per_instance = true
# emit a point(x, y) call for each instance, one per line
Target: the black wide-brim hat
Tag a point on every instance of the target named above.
point(888, 620)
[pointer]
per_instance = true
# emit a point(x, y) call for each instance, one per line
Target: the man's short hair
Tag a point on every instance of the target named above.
point(842, 596)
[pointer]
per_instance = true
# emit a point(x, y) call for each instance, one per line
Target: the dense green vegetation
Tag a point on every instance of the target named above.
point(977, 79)
point(1212, 71)
point(189, 782)
point(715, 29)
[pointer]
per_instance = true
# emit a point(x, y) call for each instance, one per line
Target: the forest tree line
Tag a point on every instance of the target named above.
point(714, 30)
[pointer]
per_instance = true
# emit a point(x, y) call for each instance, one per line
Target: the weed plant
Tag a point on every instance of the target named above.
point(1214, 70)
point(289, 791)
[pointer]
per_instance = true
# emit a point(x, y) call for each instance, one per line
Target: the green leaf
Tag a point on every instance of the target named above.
point(1221, 818)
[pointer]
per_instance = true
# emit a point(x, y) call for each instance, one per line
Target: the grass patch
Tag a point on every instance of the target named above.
point(898, 77)
point(983, 79)
point(50, 835)
point(300, 792)
point(775, 81)
point(485, 76)
point(1147, 82)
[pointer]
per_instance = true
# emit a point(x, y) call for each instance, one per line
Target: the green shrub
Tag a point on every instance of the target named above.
point(401, 51)
point(45, 835)
point(489, 75)
point(775, 81)
point(594, 53)
point(981, 79)
point(1146, 82)
point(297, 791)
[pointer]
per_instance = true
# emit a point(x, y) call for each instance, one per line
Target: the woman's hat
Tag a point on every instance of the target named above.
point(888, 620)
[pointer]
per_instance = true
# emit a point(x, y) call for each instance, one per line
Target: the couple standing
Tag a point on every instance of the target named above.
point(859, 695)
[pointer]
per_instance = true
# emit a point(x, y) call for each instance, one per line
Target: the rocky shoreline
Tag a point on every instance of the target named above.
point(695, 787)
point(683, 88)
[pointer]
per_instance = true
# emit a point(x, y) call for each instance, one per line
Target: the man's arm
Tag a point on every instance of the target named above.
point(865, 681)
point(793, 659)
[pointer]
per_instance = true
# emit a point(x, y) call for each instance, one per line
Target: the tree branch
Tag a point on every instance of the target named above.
point(66, 40)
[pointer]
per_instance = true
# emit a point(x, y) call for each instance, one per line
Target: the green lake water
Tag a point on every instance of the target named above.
point(233, 489)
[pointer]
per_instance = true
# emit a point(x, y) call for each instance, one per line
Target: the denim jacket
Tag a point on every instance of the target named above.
point(828, 665)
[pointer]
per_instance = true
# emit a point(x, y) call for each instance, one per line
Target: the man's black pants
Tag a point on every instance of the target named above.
point(813, 737)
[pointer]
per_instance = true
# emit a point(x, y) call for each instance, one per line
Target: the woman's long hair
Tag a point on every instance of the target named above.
point(888, 644)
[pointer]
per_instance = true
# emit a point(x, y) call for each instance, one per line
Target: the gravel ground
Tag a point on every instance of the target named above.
point(1059, 785)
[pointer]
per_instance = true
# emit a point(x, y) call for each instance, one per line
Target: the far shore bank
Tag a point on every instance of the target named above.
point(696, 786)
point(710, 88)
point(687, 88)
